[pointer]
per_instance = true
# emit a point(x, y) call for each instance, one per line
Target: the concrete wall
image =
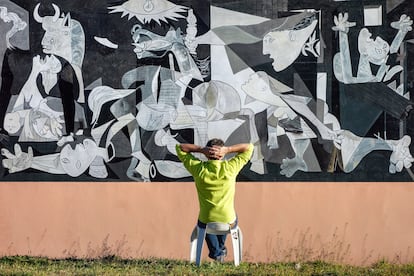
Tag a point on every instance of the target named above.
point(355, 223)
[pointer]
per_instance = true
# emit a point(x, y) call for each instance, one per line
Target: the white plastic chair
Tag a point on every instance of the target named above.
point(217, 228)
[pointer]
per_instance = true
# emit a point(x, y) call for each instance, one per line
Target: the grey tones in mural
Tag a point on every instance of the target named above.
point(108, 88)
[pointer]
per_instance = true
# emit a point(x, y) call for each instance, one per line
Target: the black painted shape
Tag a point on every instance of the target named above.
point(381, 95)
point(363, 103)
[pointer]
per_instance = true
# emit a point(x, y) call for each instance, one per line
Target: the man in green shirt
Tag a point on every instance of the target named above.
point(215, 180)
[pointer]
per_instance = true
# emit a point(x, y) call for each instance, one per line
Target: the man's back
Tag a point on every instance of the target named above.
point(215, 182)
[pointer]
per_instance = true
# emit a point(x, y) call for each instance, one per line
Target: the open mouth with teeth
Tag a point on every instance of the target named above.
point(151, 48)
point(47, 48)
point(148, 44)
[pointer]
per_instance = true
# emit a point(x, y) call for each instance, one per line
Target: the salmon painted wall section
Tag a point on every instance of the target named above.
point(356, 223)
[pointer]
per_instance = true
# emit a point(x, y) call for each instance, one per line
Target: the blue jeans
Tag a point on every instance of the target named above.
point(215, 243)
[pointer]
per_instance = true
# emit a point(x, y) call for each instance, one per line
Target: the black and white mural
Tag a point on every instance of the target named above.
point(104, 90)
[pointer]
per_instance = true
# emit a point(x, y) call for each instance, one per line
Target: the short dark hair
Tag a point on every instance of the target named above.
point(215, 142)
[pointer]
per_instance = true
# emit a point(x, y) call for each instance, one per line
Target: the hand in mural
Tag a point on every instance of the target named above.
point(291, 165)
point(404, 24)
point(44, 107)
point(19, 161)
point(400, 157)
point(46, 126)
point(40, 64)
point(55, 126)
point(338, 138)
point(341, 23)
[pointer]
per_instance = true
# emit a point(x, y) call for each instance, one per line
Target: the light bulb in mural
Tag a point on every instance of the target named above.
point(148, 6)
point(148, 10)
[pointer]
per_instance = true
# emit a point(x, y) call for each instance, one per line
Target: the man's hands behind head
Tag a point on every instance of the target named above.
point(215, 152)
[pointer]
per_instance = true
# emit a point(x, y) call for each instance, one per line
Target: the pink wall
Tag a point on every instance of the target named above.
point(355, 223)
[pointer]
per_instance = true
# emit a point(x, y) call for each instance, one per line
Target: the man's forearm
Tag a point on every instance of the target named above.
point(191, 148)
point(238, 148)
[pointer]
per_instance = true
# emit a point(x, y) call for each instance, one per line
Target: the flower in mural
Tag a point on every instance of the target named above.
point(147, 10)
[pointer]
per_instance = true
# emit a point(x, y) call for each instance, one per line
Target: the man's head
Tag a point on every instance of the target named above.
point(215, 142)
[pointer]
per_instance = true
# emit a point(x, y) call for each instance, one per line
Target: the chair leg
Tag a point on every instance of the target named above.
point(201, 234)
point(237, 245)
point(193, 245)
point(241, 244)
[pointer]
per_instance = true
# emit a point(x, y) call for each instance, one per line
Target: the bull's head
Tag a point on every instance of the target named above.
point(57, 37)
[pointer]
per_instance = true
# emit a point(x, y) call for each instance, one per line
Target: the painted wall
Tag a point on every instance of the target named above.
point(95, 94)
point(356, 223)
point(104, 90)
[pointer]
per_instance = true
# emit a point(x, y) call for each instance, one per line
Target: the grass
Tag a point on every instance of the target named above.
point(24, 265)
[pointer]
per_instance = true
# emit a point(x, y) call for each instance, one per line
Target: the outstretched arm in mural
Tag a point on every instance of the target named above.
point(20, 161)
point(299, 105)
point(70, 161)
point(404, 25)
point(342, 60)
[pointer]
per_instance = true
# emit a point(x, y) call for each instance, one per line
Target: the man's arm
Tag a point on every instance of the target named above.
point(191, 148)
point(215, 152)
point(238, 148)
point(220, 152)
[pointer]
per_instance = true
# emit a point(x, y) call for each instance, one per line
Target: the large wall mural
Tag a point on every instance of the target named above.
point(104, 90)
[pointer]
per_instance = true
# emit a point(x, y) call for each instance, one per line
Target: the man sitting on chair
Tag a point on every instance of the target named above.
point(215, 180)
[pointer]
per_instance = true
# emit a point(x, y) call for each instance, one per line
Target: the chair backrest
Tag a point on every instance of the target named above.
point(217, 228)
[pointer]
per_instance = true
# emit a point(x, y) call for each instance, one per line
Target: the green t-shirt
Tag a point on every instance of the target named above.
point(216, 183)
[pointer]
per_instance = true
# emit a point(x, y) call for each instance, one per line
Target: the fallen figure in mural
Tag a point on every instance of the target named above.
point(99, 154)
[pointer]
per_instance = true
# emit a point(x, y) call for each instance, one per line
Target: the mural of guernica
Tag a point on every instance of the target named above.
point(104, 90)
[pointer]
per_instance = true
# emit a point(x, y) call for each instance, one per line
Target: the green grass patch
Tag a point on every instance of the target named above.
point(24, 265)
